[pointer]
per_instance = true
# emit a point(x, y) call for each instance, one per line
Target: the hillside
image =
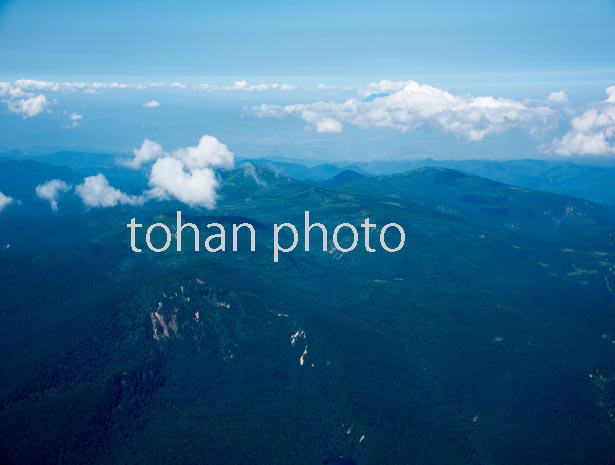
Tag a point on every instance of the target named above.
point(458, 350)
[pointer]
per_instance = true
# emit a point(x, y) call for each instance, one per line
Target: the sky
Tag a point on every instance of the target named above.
point(335, 80)
point(342, 39)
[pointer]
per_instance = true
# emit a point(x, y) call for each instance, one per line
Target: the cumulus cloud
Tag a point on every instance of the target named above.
point(592, 132)
point(28, 107)
point(209, 152)
point(51, 190)
point(75, 118)
point(382, 87)
point(328, 126)
point(5, 201)
point(95, 191)
point(16, 92)
point(187, 174)
point(408, 105)
point(148, 152)
point(152, 104)
point(21, 101)
point(558, 97)
point(170, 179)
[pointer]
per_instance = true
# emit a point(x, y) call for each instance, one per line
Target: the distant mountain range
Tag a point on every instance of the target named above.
point(591, 179)
point(587, 181)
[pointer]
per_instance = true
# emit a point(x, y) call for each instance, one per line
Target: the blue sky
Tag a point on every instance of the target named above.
point(460, 54)
point(328, 39)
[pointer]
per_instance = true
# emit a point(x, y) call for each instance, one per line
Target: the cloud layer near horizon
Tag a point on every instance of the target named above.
point(35, 85)
point(592, 132)
point(553, 123)
point(409, 105)
point(26, 97)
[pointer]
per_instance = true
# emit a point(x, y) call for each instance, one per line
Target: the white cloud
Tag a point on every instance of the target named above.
point(51, 190)
point(411, 105)
point(382, 87)
point(244, 86)
point(152, 104)
point(328, 126)
point(20, 101)
point(186, 174)
point(96, 86)
point(5, 201)
point(26, 87)
point(170, 178)
point(75, 118)
point(17, 92)
point(28, 107)
point(95, 191)
point(207, 87)
point(35, 85)
point(558, 97)
point(4, 88)
point(249, 171)
point(592, 132)
point(321, 86)
point(209, 152)
point(51, 86)
point(148, 152)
